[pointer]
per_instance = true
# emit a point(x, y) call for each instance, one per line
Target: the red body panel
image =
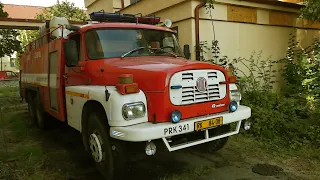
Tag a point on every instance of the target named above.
point(152, 75)
point(36, 62)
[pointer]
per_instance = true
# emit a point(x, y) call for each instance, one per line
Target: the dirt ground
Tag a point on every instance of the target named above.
point(29, 153)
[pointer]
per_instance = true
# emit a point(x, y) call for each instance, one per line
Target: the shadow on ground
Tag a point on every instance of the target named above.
point(62, 139)
point(58, 153)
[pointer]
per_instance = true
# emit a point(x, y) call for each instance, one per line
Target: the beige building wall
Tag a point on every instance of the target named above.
point(240, 27)
point(97, 5)
point(6, 65)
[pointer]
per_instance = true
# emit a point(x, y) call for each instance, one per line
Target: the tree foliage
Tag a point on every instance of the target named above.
point(64, 9)
point(311, 10)
point(8, 38)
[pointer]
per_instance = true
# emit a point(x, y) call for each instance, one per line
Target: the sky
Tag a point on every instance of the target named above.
point(78, 3)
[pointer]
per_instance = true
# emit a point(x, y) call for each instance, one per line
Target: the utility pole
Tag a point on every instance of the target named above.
point(1, 63)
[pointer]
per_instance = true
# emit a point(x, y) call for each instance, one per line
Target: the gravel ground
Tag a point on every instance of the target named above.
point(14, 83)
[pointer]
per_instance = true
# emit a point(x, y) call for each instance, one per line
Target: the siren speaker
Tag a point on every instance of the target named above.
point(168, 23)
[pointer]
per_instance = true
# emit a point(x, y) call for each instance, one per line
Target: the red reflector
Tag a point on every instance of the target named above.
point(148, 19)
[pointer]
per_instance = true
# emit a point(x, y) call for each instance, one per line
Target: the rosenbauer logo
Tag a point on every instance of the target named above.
point(202, 84)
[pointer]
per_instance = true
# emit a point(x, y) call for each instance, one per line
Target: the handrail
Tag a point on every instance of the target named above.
point(46, 34)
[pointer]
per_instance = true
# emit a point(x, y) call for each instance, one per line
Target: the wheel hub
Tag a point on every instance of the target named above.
point(95, 147)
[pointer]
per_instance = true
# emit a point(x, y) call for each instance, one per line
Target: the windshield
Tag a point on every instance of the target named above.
point(111, 43)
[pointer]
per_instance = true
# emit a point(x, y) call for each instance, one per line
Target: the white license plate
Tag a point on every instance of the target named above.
point(178, 129)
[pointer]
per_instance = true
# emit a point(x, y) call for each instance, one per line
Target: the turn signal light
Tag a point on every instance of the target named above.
point(127, 88)
point(132, 88)
point(232, 79)
point(126, 84)
point(126, 79)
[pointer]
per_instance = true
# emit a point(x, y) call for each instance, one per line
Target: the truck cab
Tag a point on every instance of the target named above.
point(124, 80)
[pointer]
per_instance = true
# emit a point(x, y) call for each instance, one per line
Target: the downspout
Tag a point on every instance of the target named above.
point(196, 12)
point(122, 4)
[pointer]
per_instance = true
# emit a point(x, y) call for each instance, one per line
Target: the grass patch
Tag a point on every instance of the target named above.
point(17, 149)
point(9, 91)
point(190, 174)
point(16, 124)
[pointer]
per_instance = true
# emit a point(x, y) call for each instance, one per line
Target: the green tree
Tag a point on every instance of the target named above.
point(311, 10)
point(64, 9)
point(60, 9)
point(8, 38)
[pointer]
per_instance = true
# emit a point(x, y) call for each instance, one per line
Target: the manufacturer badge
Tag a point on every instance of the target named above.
point(202, 84)
point(217, 105)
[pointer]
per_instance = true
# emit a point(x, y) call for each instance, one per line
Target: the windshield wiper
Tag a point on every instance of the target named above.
point(171, 53)
point(132, 51)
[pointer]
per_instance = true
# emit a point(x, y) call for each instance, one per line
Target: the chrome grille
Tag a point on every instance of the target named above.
point(187, 76)
point(189, 94)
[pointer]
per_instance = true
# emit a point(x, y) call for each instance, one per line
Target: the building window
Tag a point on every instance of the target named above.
point(12, 62)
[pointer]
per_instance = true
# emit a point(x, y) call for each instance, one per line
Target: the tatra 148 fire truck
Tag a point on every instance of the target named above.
point(123, 81)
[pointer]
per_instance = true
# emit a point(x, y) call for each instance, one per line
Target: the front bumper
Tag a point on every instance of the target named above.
point(149, 131)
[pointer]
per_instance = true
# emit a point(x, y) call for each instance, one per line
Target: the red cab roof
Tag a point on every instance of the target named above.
point(122, 25)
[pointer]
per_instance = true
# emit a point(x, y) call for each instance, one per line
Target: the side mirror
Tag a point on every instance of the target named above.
point(71, 53)
point(186, 51)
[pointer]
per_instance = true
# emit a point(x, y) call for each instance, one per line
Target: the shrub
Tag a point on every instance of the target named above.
point(302, 68)
point(288, 117)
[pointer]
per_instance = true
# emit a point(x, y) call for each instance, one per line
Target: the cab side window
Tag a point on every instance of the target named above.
point(77, 39)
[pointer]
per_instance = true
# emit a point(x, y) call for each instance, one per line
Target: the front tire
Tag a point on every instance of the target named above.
point(107, 156)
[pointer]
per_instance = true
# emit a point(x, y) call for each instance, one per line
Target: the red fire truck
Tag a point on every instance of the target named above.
point(123, 80)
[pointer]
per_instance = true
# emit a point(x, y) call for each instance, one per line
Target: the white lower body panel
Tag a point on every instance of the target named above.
point(149, 131)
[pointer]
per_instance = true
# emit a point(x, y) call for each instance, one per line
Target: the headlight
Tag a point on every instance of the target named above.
point(133, 110)
point(235, 95)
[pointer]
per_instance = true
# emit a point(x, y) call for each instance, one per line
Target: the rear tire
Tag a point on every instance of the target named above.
point(216, 145)
point(40, 114)
point(31, 110)
point(107, 155)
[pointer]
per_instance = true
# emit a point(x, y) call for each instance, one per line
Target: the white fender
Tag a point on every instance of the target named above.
point(77, 96)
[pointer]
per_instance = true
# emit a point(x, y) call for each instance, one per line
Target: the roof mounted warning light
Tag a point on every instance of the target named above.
point(102, 16)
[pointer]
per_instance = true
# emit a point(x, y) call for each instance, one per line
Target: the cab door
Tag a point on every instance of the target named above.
point(75, 75)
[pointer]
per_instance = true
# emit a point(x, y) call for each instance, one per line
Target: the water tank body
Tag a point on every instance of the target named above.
point(55, 22)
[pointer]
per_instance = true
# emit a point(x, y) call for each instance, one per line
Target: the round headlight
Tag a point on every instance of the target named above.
point(175, 116)
point(233, 106)
point(133, 110)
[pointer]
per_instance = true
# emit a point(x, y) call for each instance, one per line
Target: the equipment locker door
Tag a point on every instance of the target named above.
point(55, 82)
